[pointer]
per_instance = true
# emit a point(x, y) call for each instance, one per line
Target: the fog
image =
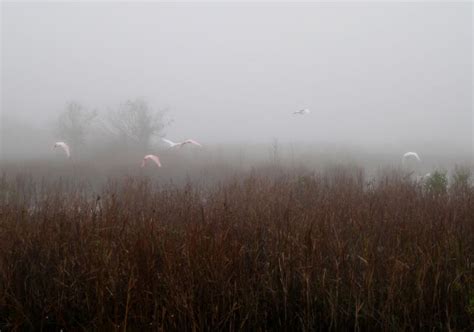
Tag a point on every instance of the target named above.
point(375, 76)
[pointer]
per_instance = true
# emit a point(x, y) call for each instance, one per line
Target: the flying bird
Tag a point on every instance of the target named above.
point(302, 112)
point(410, 154)
point(180, 144)
point(170, 143)
point(64, 146)
point(152, 157)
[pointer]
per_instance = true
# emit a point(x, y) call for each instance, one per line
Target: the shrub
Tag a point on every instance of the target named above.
point(437, 183)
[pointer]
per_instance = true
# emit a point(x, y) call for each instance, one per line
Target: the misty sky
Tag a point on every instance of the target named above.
point(370, 73)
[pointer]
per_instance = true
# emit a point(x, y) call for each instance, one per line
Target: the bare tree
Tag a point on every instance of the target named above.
point(74, 124)
point(135, 124)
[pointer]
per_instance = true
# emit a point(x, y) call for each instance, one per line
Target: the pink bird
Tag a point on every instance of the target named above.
point(181, 144)
point(64, 146)
point(151, 157)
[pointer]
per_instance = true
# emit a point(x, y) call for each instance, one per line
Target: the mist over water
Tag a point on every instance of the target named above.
point(381, 79)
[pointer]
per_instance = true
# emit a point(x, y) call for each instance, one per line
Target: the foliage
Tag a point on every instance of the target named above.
point(314, 252)
point(437, 183)
point(461, 178)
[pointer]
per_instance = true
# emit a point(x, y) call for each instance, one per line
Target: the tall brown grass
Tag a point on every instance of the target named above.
point(311, 252)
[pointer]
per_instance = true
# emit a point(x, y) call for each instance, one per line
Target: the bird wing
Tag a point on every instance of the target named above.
point(65, 147)
point(154, 158)
point(191, 141)
point(413, 154)
point(170, 143)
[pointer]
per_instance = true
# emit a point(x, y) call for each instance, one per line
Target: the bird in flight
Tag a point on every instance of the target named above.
point(152, 157)
point(302, 112)
point(64, 146)
point(180, 144)
point(410, 154)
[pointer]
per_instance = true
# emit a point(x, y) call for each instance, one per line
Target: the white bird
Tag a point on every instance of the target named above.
point(151, 157)
point(302, 112)
point(170, 143)
point(180, 144)
point(64, 146)
point(410, 154)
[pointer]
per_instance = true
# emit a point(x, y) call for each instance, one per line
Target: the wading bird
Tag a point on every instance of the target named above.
point(180, 144)
point(302, 112)
point(151, 157)
point(64, 146)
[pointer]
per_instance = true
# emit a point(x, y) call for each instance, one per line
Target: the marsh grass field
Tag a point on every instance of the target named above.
point(271, 247)
point(236, 166)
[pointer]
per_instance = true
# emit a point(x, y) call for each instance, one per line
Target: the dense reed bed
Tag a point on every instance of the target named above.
point(329, 251)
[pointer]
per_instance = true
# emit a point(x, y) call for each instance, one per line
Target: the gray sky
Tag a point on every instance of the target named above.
point(370, 73)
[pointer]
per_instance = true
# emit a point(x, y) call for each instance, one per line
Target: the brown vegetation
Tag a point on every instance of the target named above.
point(313, 252)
